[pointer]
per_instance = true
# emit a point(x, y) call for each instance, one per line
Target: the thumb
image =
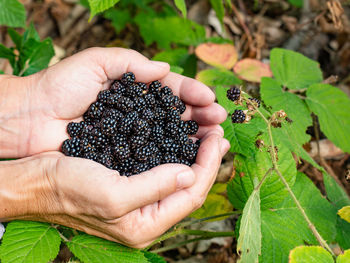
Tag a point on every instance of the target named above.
point(116, 61)
point(154, 185)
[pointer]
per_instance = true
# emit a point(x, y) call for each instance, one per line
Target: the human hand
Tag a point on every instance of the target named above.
point(63, 92)
point(87, 196)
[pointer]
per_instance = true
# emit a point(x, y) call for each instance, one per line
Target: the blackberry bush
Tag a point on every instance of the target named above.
point(133, 127)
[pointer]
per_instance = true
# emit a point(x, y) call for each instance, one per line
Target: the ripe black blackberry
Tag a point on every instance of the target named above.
point(255, 100)
point(233, 94)
point(103, 96)
point(133, 127)
point(74, 129)
point(192, 127)
point(238, 116)
point(128, 78)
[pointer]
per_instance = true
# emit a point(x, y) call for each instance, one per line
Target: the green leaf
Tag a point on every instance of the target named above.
point(40, 58)
point(332, 106)
point(118, 17)
point(98, 6)
point(176, 69)
point(310, 254)
point(215, 76)
point(297, 3)
point(273, 191)
point(283, 227)
point(293, 70)
point(249, 240)
point(296, 109)
point(339, 198)
point(93, 249)
point(170, 29)
point(215, 204)
point(344, 258)
point(12, 13)
point(16, 37)
point(26, 241)
point(153, 258)
point(7, 53)
point(181, 5)
point(218, 6)
point(176, 56)
point(344, 213)
point(1, 72)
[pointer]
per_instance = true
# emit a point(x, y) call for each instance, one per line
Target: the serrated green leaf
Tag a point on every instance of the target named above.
point(249, 240)
point(332, 106)
point(181, 5)
point(339, 198)
point(119, 18)
point(215, 204)
point(344, 258)
point(215, 76)
point(12, 13)
point(218, 6)
point(31, 33)
point(98, 6)
point(273, 191)
point(28, 242)
point(344, 213)
point(93, 249)
point(170, 29)
point(40, 57)
point(297, 3)
point(295, 132)
point(283, 227)
point(153, 258)
point(293, 70)
point(310, 254)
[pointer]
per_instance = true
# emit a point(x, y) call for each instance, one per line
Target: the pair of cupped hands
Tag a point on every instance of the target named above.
point(50, 187)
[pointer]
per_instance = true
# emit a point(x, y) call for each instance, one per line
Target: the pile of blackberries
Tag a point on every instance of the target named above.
point(133, 127)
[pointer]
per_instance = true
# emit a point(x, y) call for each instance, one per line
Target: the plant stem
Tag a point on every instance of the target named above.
point(180, 244)
point(184, 224)
point(312, 227)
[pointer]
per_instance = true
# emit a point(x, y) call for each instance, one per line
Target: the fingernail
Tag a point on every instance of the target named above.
point(160, 64)
point(185, 179)
point(224, 146)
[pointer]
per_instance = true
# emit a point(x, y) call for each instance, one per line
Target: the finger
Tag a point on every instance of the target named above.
point(116, 61)
point(204, 130)
point(189, 90)
point(151, 186)
point(208, 115)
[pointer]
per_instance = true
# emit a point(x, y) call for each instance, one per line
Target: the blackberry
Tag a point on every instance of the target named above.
point(160, 114)
point(128, 78)
point(238, 116)
point(185, 162)
point(72, 147)
point(171, 130)
point(141, 127)
point(93, 156)
point(183, 126)
point(106, 160)
point(124, 104)
point(150, 100)
point(154, 161)
point(103, 96)
point(154, 87)
point(169, 146)
point(127, 123)
point(192, 127)
point(137, 141)
point(74, 129)
point(95, 110)
point(189, 151)
point(157, 134)
point(233, 94)
point(143, 153)
point(118, 88)
point(140, 167)
point(168, 101)
point(147, 115)
point(114, 114)
point(140, 104)
point(143, 87)
point(121, 151)
point(165, 91)
point(173, 115)
point(170, 158)
point(182, 138)
point(134, 91)
point(179, 104)
point(119, 139)
point(125, 167)
point(254, 100)
point(109, 126)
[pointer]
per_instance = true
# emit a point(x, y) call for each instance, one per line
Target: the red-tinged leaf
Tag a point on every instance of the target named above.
point(218, 55)
point(252, 70)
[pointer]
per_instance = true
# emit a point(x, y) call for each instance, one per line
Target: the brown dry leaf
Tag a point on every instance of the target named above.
point(218, 55)
point(337, 11)
point(252, 70)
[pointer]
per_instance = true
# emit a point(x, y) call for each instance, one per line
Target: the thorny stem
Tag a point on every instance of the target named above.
point(61, 235)
point(273, 153)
